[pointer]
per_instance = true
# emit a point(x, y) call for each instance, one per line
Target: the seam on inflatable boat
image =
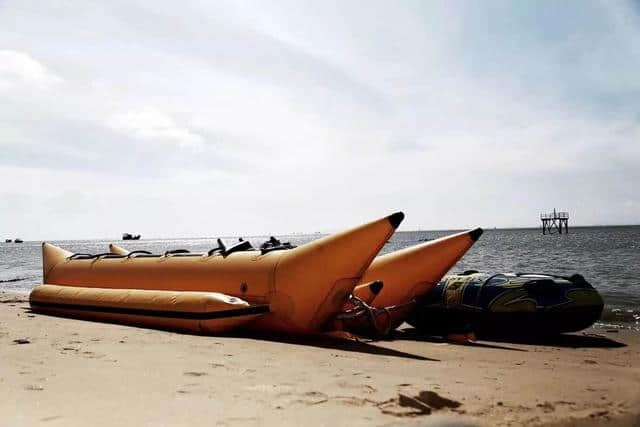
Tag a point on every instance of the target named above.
point(258, 309)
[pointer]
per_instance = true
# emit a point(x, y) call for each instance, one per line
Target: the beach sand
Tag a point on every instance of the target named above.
point(65, 372)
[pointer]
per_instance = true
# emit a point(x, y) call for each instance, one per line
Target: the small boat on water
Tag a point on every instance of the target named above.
point(8, 240)
point(128, 236)
point(17, 241)
point(511, 304)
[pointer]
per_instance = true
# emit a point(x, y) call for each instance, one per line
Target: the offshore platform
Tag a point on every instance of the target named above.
point(555, 221)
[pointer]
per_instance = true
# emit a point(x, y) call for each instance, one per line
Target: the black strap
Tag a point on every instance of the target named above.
point(176, 251)
point(236, 312)
point(130, 254)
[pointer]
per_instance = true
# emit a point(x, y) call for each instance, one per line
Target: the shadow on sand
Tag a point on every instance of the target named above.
point(585, 340)
point(582, 340)
point(329, 342)
point(321, 341)
point(411, 334)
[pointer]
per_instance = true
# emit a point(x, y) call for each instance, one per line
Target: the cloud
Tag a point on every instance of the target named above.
point(153, 125)
point(19, 69)
point(294, 116)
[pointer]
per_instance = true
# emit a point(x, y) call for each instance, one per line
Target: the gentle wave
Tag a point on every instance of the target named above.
point(17, 279)
point(625, 318)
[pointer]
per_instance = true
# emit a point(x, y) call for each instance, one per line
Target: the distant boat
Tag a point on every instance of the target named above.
point(17, 241)
point(8, 240)
point(127, 236)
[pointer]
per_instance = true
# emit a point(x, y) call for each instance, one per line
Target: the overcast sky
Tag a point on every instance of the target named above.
point(219, 118)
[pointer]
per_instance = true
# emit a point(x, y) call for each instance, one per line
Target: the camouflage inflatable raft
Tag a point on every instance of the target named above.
point(508, 305)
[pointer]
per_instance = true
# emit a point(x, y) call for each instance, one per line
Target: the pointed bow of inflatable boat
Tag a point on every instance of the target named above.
point(414, 271)
point(320, 275)
point(369, 291)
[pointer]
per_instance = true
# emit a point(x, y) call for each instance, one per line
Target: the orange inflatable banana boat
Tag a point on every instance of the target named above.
point(407, 274)
point(208, 312)
point(298, 290)
point(414, 271)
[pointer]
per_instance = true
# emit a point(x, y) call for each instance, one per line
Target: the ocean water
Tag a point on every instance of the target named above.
point(608, 257)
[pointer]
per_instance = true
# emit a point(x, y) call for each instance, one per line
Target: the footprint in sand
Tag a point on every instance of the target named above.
point(192, 388)
point(311, 398)
point(564, 402)
point(413, 406)
point(92, 355)
point(194, 374)
point(436, 401)
point(547, 407)
point(353, 400)
point(404, 406)
point(241, 421)
point(601, 413)
point(363, 388)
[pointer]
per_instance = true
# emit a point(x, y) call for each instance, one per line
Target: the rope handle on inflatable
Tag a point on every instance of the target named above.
point(176, 251)
point(540, 274)
point(481, 288)
point(108, 255)
point(576, 279)
point(242, 245)
point(91, 256)
point(361, 307)
point(213, 251)
point(221, 248)
point(138, 252)
point(80, 256)
point(282, 247)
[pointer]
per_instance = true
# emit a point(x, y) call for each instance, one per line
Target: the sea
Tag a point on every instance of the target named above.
point(607, 256)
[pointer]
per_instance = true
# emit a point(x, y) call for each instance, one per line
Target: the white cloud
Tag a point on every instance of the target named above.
point(20, 69)
point(333, 112)
point(153, 125)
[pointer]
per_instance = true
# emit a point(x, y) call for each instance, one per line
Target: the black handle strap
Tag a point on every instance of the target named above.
point(176, 251)
point(130, 254)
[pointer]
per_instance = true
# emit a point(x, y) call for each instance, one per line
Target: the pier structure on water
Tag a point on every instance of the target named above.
point(555, 221)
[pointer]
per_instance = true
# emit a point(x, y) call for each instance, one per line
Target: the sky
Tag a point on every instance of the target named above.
point(187, 119)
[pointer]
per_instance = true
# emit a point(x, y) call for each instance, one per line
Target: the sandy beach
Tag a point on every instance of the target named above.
point(62, 372)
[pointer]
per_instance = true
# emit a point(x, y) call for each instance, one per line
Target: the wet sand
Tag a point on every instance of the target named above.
point(64, 372)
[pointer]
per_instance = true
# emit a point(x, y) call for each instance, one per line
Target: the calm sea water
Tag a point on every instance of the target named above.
point(608, 257)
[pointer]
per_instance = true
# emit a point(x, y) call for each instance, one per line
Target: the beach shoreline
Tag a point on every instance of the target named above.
point(62, 371)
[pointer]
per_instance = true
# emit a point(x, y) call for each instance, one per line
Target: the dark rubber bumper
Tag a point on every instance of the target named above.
point(475, 234)
point(395, 219)
point(376, 287)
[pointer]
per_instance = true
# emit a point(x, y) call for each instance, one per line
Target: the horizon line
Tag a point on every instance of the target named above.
point(298, 233)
